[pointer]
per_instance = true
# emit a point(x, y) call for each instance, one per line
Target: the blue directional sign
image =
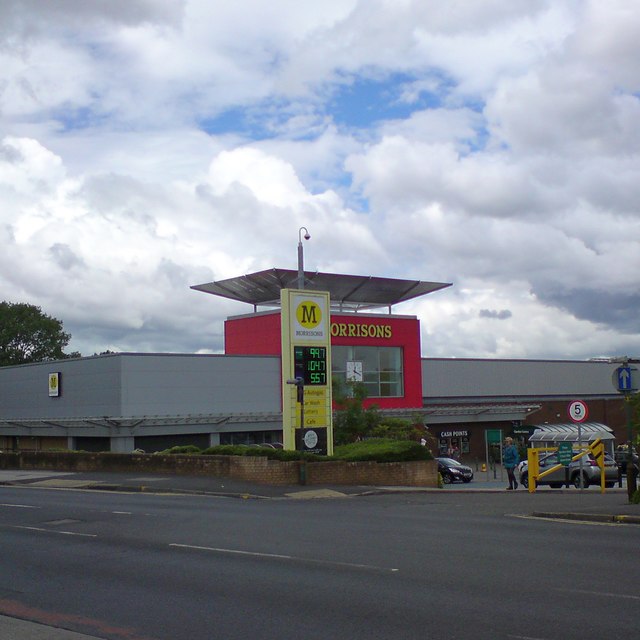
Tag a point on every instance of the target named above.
point(624, 378)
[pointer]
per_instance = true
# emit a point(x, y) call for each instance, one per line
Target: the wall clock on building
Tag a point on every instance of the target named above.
point(354, 371)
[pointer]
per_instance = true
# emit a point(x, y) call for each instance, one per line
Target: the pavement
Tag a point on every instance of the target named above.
point(613, 503)
point(587, 505)
point(16, 629)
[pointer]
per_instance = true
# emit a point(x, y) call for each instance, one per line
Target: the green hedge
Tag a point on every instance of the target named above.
point(382, 450)
point(186, 449)
point(371, 450)
point(268, 452)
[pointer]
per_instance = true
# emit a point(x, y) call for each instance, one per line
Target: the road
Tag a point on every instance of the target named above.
point(153, 567)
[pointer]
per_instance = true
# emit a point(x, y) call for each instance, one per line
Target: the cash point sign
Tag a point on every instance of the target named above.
point(306, 358)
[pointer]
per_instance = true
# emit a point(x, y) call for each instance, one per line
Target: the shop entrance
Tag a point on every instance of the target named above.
point(454, 444)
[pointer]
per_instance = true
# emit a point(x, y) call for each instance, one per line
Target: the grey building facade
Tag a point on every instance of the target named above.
point(465, 399)
point(121, 402)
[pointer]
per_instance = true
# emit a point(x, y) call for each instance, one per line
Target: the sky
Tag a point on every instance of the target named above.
point(150, 145)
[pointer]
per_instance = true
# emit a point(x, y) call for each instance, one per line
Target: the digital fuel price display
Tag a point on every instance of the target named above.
point(310, 364)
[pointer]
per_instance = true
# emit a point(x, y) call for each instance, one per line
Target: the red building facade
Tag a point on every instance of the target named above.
point(383, 351)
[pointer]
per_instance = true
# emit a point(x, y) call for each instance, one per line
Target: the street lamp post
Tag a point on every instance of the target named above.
point(307, 235)
point(631, 475)
point(626, 389)
point(631, 471)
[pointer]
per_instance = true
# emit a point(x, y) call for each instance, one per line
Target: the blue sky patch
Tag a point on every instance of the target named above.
point(74, 119)
point(366, 101)
point(231, 121)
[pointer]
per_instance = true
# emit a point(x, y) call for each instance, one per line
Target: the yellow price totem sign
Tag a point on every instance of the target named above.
point(306, 371)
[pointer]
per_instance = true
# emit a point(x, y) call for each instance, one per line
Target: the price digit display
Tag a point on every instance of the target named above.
point(310, 364)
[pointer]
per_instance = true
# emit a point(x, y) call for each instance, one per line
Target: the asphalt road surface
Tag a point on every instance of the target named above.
point(436, 565)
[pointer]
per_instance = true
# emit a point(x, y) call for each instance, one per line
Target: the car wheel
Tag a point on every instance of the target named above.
point(446, 478)
point(524, 480)
point(466, 480)
point(576, 481)
point(556, 485)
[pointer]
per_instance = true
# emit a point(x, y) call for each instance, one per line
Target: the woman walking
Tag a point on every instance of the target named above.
point(510, 459)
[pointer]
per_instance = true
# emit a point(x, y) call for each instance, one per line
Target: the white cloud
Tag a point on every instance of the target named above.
point(192, 139)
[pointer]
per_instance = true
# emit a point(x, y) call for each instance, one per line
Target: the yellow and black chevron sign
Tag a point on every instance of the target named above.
point(597, 450)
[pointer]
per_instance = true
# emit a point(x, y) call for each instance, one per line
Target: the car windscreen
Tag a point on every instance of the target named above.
point(449, 462)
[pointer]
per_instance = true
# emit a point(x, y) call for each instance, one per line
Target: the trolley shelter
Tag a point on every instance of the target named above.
point(549, 435)
point(571, 443)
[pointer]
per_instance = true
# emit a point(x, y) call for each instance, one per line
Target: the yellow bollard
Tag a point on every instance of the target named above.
point(484, 467)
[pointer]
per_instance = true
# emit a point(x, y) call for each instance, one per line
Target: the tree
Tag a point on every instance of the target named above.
point(353, 422)
point(403, 429)
point(29, 335)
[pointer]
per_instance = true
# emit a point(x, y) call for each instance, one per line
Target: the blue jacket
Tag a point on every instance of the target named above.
point(510, 457)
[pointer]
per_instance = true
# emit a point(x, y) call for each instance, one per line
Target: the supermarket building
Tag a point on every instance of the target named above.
point(125, 401)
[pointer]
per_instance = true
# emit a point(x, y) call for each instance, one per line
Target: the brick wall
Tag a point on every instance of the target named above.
point(258, 469)
point(408, 474)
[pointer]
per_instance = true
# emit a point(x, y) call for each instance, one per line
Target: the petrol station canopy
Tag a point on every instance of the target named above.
point(347, 293)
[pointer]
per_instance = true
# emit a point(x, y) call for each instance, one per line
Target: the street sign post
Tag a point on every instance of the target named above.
point(625, 379)
point(493, 439)
point(565, 453)
point(578, 412)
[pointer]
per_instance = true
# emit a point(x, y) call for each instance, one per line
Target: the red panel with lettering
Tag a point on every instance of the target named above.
point(259, 334)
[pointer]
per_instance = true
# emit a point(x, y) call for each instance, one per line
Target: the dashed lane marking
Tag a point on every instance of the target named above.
point(63, 533)
point(20, 506)
point(277, 556)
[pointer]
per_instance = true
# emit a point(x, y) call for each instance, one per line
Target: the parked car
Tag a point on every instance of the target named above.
point(590, 471)
point(452, 471)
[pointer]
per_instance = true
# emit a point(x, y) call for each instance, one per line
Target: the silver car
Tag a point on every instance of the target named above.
point(590, 472)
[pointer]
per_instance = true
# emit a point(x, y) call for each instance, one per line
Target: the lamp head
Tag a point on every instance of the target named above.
point(307, 235)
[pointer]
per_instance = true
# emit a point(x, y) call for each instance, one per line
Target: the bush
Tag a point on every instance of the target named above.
point(382, 450)
point(372, 450)
point(226, 450)
point(399, 429)
point(185, 449)
point(635, 498)
point(272, 454)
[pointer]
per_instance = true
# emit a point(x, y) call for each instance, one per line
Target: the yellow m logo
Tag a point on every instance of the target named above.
point(308, 314)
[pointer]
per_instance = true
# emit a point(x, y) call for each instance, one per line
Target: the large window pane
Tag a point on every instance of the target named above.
point(381, 368)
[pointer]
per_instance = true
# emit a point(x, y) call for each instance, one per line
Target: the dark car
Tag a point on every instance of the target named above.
point(452, 471)
point(622, 456)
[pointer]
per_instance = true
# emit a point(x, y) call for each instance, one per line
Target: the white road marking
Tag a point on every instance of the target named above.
point(605, 594)
point(20, 506)
point(63, 533)
point(565, 520)
point(278, 556)
point(123, 513)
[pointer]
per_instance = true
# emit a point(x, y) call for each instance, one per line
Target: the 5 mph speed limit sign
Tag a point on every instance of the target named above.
point(578, 411)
